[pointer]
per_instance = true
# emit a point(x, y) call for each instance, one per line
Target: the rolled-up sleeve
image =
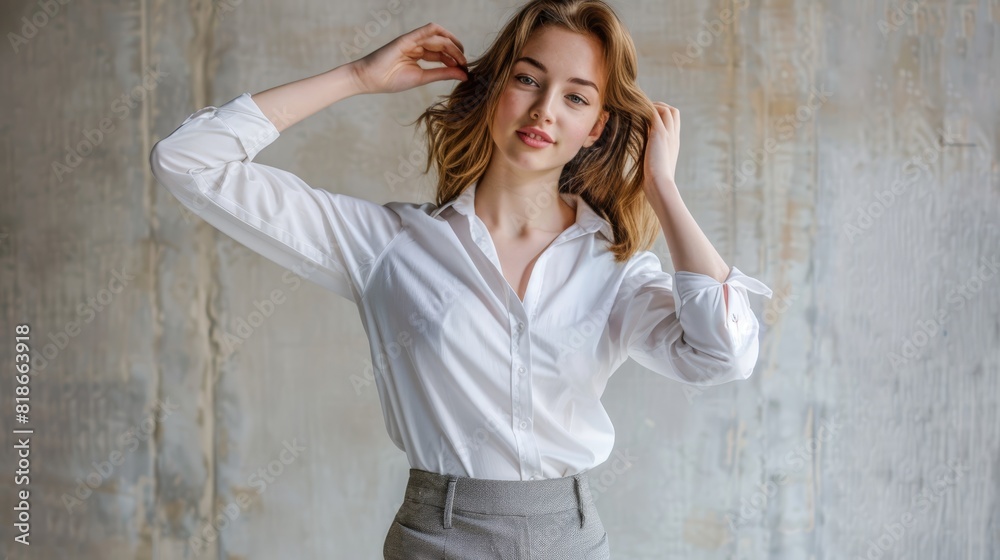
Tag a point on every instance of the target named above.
point(679, 327)
point(328, 238)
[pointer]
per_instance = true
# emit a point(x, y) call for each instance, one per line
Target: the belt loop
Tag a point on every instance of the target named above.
point(449, 501)
point(578, 484)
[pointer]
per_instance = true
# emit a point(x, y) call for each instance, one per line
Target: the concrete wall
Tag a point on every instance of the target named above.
point(845, 153)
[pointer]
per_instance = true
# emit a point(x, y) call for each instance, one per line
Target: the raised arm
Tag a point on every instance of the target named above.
point(328, 238)
point(290, 103)
point(331, 239)
point(391, 68)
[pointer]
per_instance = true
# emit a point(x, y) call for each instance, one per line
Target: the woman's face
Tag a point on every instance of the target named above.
point(549, 89)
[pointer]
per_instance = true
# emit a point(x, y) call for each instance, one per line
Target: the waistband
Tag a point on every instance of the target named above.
point(499, 497)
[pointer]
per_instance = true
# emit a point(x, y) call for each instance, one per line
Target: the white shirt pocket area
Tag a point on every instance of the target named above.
point(679, 326)
point(327, 238)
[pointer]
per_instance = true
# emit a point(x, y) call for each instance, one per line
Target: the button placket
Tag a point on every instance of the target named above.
point(522, 390)
point(521, 398)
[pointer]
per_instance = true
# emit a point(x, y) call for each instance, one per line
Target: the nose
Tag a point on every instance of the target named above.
point(542, 107)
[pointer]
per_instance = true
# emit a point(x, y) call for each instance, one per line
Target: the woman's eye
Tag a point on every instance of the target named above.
point(581, 101)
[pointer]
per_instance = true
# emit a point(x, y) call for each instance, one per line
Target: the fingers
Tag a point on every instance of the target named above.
point(434, 74)
point(433, 28)
point(433, 56)
point(440, 49)
point(436, 38)
point(661, 106)
point(668, 113)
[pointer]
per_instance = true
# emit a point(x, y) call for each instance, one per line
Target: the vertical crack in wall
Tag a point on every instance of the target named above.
point(736, 54)
point(153, 252)
point(199, 54)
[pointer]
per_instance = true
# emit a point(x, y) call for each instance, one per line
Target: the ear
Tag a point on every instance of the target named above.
point(595, 132)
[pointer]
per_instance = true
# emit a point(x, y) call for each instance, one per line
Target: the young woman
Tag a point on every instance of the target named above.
point(497, 314)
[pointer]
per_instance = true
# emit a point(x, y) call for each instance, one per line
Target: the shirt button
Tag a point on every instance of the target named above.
point(520, 326)
point(524, 425)
point(521, 370)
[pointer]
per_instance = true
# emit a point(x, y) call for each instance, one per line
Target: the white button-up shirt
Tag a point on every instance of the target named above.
point(472, 380)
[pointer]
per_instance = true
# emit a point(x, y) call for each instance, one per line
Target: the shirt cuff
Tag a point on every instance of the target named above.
point(688, 285)
point(253, 129)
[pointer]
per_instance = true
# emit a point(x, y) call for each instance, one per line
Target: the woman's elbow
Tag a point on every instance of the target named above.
point(163, 163)
point(717, 369)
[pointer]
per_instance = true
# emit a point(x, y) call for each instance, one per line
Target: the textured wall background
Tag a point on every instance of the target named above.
point(845, 153)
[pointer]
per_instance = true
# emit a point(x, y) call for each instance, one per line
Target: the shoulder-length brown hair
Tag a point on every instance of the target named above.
point(608, 175)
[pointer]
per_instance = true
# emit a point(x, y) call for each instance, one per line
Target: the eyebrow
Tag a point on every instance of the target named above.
point(542, 67)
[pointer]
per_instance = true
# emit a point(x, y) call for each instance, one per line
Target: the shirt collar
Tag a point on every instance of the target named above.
point(588, 219)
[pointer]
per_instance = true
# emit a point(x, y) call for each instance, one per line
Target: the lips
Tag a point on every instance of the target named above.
point(539, 134)
point(537, 143)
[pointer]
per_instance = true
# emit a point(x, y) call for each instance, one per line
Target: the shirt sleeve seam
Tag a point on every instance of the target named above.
point(378, 259)
point(280, 235)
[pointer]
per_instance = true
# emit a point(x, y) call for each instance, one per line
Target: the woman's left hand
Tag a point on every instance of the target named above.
point(663, 145)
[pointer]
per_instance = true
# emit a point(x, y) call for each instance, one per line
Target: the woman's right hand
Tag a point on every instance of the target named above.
point(394, 67)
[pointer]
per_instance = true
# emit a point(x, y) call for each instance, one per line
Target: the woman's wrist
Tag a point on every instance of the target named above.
point(290, 103)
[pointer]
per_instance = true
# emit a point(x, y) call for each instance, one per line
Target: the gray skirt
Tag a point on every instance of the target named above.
point(448, 517)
